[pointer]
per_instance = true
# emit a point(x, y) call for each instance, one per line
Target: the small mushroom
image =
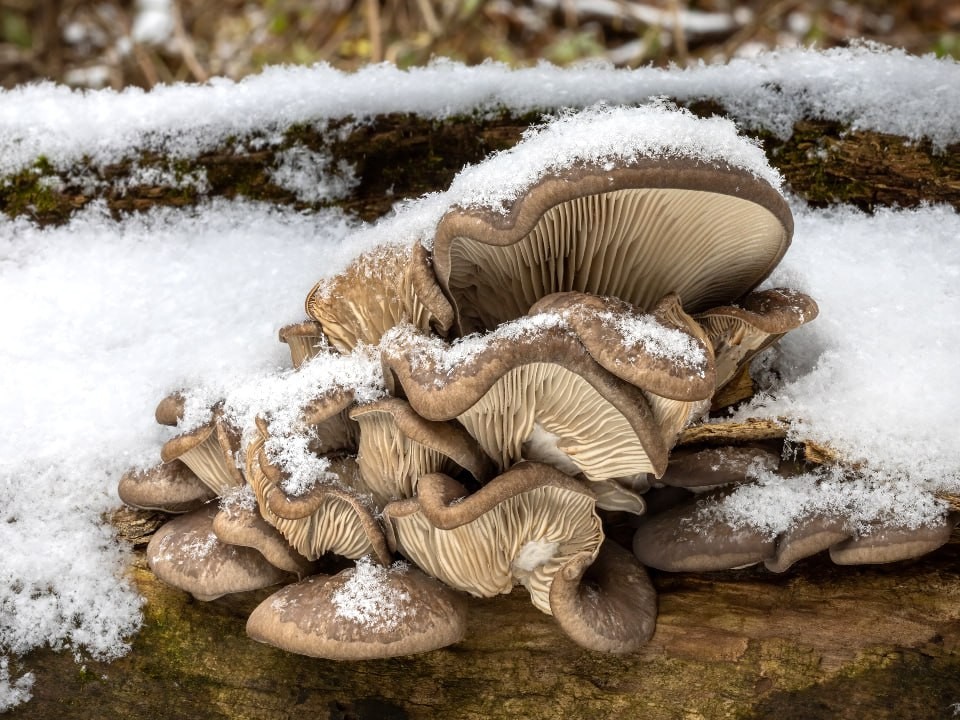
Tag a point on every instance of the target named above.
point(397, 447)
point(738, 332)
point(209, 451)
point(305, 340)
point(186, 553)
point(714, 466)
point(606, 604)
point(520, 528)
point(170, 410)
point(808, 536)
point(362, 613)
point(169, 487)
point(891, 544)
point(637, 231)
point(680, 540)
point(380, 289)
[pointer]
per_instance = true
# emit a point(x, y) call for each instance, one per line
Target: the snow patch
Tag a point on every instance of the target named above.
point(657, 340)
point(368, 598)
point(13, 692)
point(534, 554)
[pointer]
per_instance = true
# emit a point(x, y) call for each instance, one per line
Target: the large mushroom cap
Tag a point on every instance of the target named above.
point(170, 487)
point(187, 554)
point(520, 528)
point(362, 613)
point(639, 231)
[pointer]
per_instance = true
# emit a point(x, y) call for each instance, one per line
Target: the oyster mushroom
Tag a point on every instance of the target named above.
point(305, 340)
point(380, 289)
point(891, 544)
point(808, 536)
point(710, 467)
point(170, 410)
point(362, 613)
point(186, 553)
point(520, 528)
point(738, 332)
point(209, 451)
point(397, 447)
point(637, 231)
point(169, 487)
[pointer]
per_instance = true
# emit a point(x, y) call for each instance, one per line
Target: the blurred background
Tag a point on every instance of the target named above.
point(118, 43)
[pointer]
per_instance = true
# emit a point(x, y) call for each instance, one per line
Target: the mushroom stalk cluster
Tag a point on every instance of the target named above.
point(536, 367)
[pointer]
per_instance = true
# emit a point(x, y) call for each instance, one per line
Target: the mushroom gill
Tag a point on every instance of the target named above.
point(305, 340)
point(209, 451)
point(520, 528)
point(637, 232)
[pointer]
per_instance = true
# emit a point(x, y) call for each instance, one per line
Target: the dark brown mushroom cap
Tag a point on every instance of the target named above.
point(715, 465)
point(891, 544)
point(169, 487)
point(617, 232)
point(607, 604)
point(400, 611)
point(379, 289)
point(305, 340)
point(519, 528)
point(325, 518)
point(397, 447)
point(738, 332)
point(532, 371)
point(187, 554)
point(681, 540)
point(239, 522)
point(809, 536)
point(209, 451)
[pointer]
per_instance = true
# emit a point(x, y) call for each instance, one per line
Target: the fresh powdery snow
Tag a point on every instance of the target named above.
point(368, 598)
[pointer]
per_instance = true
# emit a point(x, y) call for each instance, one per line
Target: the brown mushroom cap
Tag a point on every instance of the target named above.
point(362, 613)
point(678, 540)
point(169, 487)
point(891, 544)
point(239, 522)
point(170, 410)
point(209, 451)
point(809, 536)
point(380, 289)
point(715, 465)
point(305, 340)
point(520, 528)
point(607, 604)
point(397, 447)
point(738, 332)
point(533, 371)
point(710, 233)
point(186, 553)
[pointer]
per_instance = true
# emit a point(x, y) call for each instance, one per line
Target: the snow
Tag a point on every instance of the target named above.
point(368, 598)
point(857, 86)
point(658, 340)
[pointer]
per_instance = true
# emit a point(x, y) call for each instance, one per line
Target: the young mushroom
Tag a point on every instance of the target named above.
point(169, 487)
point(305, 340)
point(209, 451)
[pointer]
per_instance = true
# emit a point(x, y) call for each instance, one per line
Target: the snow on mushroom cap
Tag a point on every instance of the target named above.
point(369, 600)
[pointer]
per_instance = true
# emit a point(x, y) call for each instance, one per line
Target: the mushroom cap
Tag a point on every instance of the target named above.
point(379, 289)
point(170, 410)
point(809, 536)
point(519, 528)
point(362, 613)
point(891, 544)
point(187, 554)
point(328, 416)
point(714, 466)
point(606, 604)
point(618, 232)
point(678, 540)
point(397, 446)
point(209, 451)
point(239, 522)
point(305, 340)
point(169, 487)
point(532, 371)
point(325, 518)
point(738, 332)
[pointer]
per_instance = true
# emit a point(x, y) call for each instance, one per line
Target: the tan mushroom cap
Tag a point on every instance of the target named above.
point(738, 332)
point(187, 554)
point(714, 466)
point(170, 410)
point(709, 233)
point(239, 522)
point(607, 604)
point(350, 616)
point(397, 447)
point(520, 528)
point(665, 352)
point(892, 544)
point(209, 451)
point(169, 487)
point(809, 536)
point(677, 540)
point(305, 340)
point(531, 372)
point(326, 518)
point(379, 289)
point(328, 416)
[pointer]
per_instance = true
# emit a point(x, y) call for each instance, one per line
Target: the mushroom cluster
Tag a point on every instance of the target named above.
point(463, 417)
